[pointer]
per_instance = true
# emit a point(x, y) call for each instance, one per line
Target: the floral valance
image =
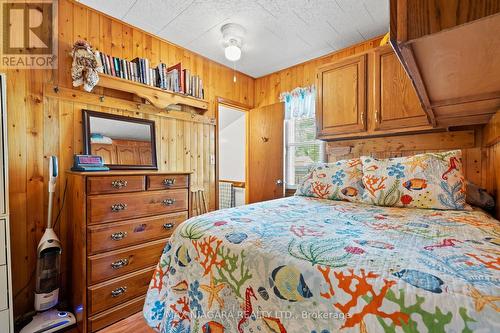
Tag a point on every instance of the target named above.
point(299, 103)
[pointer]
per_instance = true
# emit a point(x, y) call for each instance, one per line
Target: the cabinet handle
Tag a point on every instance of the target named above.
point(118, 207)
point(362, 118)
point(169, 181)
point(119, 263)
point(118, 291)
point(118, 184)
point(168, 226)
point(116, 236)
point(168, 202)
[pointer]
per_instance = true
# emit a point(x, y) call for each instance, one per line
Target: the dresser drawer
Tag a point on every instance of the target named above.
point(102, 267)
point(118, 291)
point(115, 207)
point(115, 314)
point(4, 290)
point(3, 246)
point(5, 321)
point(115, 235)
point(115, 184)
point(161, 182)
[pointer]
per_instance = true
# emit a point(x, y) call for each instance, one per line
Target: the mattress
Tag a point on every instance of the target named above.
point(308, 265)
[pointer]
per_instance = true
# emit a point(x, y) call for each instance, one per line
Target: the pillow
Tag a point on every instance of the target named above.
point(479, 197)
point(335, 181)
point(430, 180)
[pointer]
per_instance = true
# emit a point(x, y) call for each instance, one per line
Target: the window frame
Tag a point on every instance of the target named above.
point(289, 154)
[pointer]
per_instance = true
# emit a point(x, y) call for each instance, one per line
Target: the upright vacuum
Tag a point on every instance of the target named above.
point(48, 270)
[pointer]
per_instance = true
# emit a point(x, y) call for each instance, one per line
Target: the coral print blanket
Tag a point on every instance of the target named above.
point(307, 265)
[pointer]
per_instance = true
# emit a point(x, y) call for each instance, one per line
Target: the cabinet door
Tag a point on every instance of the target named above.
point(396, 104)
point(128, 155)
point(341, 97)
point(145, 155)
point(107, 152)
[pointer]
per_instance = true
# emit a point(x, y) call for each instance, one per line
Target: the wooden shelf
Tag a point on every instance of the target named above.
point(158, 97)
point(454, 70)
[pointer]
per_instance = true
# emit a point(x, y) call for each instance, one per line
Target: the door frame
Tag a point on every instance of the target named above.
point(241, 107)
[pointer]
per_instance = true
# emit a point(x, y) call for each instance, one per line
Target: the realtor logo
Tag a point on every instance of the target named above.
point(29, 34)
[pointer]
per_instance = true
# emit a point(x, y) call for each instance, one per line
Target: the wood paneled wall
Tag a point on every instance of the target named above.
point(41, 124)
point(269, 87)
point(491, 140)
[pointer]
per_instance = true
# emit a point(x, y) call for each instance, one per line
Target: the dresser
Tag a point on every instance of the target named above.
point(6, 323)
point(119, 224)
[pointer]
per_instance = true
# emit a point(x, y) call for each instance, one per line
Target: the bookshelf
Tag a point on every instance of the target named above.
point(158, 97)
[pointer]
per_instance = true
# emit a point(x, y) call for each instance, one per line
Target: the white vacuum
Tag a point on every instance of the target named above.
point(48, 269)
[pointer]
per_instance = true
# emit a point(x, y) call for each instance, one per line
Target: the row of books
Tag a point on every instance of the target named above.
point(173, 78)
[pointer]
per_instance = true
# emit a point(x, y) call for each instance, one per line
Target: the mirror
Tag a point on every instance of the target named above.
point(122, 142)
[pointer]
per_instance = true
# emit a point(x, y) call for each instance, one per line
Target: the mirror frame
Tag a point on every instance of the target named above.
point(86, 114)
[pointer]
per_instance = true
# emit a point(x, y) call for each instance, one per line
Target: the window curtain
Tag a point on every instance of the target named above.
point(300, 103)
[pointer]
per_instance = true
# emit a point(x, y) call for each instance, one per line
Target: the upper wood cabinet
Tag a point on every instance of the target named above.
point(396, 104)
point(450, 50)
point(366, 94)
point(341, 102)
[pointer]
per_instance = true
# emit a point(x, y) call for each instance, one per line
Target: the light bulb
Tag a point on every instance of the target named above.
point(232, 53)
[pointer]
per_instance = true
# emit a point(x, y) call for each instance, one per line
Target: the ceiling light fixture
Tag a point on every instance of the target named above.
point(232, 51)
point(232, 40)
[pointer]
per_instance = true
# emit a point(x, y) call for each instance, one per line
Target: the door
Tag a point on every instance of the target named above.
point(265, 156)
point(341, 106)
point(232, 129)
point(395, 99)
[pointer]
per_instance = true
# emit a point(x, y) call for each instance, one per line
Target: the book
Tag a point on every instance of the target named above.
point(172, 78)
point(111, 65)
point(179, 84)
point(100, 67)
point(138, 64)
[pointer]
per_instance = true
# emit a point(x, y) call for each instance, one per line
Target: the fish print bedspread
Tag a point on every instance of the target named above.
point(305, 265)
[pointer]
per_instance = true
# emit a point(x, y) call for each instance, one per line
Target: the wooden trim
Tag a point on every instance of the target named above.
point(428, 141)
point(233, 104)
point(412, 67)
point(158, 97)
point(73, 95)
point(235, 183)
point(244, 108)
point(467, 99)
point(476, 119)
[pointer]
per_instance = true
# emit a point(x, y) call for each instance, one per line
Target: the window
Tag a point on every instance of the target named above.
point(301, 149)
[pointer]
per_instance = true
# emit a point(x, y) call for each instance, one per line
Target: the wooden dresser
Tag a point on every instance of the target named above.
point(120, 221)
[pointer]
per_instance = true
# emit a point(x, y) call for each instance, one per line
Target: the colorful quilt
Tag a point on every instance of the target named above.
point(307, 265)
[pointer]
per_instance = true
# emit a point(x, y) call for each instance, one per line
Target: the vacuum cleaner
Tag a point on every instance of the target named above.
point(48, 268)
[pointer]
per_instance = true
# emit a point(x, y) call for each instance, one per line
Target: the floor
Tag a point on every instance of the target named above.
point(133, 323)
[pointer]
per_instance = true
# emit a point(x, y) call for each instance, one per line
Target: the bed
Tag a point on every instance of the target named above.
point(309, 265)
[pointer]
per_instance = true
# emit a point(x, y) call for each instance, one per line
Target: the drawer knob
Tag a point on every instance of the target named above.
point(119, 263)
point(119, 183)
point(168, 202)
point(118, 207)
point(169, 181)
point(116, 236)
point(168, 226)
point(118, 291)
